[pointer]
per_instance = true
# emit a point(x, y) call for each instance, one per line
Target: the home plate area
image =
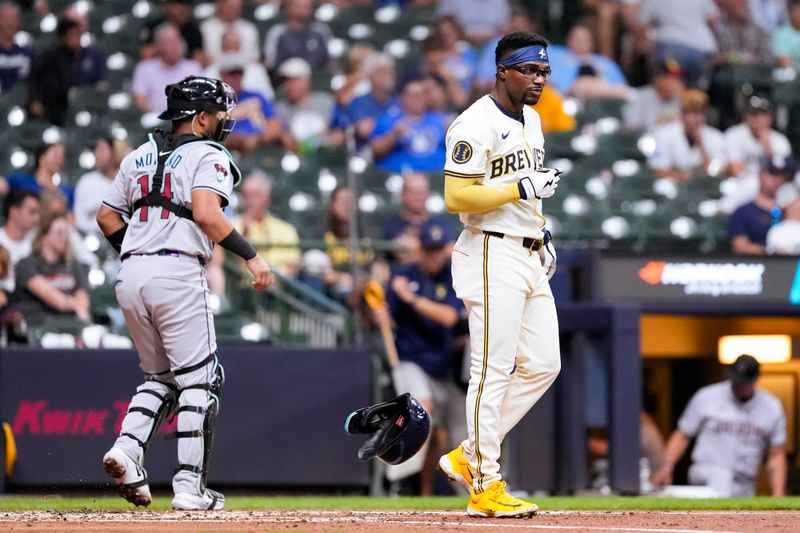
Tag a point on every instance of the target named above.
point(407, 521)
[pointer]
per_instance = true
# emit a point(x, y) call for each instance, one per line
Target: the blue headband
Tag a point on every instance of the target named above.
point(535, 53)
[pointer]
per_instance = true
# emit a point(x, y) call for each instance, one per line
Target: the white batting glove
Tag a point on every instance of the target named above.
point(541, 184)
point(549, 259)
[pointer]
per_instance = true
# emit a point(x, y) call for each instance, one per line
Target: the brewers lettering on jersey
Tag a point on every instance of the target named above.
point(164, 214)
point(502, 264)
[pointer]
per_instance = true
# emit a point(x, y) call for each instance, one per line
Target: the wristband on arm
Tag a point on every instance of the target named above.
point(116, 238)
point(237, 244)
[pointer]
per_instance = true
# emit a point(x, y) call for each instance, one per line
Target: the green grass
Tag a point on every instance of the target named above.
point(610, 503)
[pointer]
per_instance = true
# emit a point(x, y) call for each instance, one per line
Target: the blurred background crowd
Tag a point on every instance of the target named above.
point(674, 121)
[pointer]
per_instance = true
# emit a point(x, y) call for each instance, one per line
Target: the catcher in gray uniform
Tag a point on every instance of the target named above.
point(164, 214)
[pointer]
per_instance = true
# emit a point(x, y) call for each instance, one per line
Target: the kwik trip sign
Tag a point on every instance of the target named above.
point(771, 280)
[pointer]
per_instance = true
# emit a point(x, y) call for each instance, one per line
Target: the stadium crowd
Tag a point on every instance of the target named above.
point(670, 68)
point(673, 69)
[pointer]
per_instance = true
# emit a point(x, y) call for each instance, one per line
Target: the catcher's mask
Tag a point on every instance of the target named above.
point(397, 428)
point(196, 93)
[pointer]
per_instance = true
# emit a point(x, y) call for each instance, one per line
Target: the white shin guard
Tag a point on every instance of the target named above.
point(153, 402)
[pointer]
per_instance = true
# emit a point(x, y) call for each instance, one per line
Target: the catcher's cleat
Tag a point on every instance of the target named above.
point(131, 479)
point(210, 500)
point(495, 502)
point(456, 467)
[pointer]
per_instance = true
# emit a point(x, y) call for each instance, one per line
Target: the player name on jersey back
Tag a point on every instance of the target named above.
point(189, 167)
point(490, 145)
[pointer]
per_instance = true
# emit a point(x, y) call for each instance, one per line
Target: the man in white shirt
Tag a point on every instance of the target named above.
point(753, 139)
point(688, 147)
point(93, 187)
point(657, 104)
point(229, 16)
point(21, 211)
point(784, 237)
point(747, 144)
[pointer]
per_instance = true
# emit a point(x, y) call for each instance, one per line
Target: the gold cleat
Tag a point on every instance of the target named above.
point(456, 467)
point(495, 502)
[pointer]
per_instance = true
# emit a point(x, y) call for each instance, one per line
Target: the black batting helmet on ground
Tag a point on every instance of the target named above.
point(398, 429)
point(196, 93)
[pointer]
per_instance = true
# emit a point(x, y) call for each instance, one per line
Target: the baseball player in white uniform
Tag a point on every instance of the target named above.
point(502, 263)
point(735, 425)
point(164, 214)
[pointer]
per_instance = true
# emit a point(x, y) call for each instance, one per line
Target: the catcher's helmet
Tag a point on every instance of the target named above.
point(194, 94)
point(398, 429)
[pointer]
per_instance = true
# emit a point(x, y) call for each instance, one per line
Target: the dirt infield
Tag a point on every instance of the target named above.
point(405, 521)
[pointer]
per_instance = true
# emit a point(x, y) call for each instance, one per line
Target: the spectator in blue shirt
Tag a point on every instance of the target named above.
point(15, 60)
point(749, 224)
point(424, 309)
point(580, 72)
point(411, 137)
point(257, 124)
point(363, 111)
point(46, 173)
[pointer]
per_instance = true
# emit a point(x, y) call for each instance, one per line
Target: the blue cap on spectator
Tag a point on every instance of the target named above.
point(784, 165)
point(435, 234)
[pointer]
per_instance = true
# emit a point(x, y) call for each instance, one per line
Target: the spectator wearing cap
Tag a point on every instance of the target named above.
point(257, 124)
point(58, 69)
point(784, 237)
point(749, 224)
point(411, 137)
point(15, 60)
point(579, 71)
point(752, 140)
point(299, 35)
point(363, 111)
point(734, 424)
point(656, 104)
point(681, 30)
point(168, 66)
point(740, 42)
point(255, 74)
point(178, 13)
point(786, 39)
point(306, 113)
point(747, 144)
point(687, 147)
point(228, 16)
point(423, 309)
point(92, 188)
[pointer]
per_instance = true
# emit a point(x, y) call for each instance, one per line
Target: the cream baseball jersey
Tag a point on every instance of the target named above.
point(488, 143)
point(194, 165)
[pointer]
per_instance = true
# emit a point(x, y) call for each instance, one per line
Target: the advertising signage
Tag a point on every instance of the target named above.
point(768, 281)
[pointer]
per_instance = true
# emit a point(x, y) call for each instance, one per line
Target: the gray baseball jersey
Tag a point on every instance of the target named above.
point(195, 165)
point(731, 434)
